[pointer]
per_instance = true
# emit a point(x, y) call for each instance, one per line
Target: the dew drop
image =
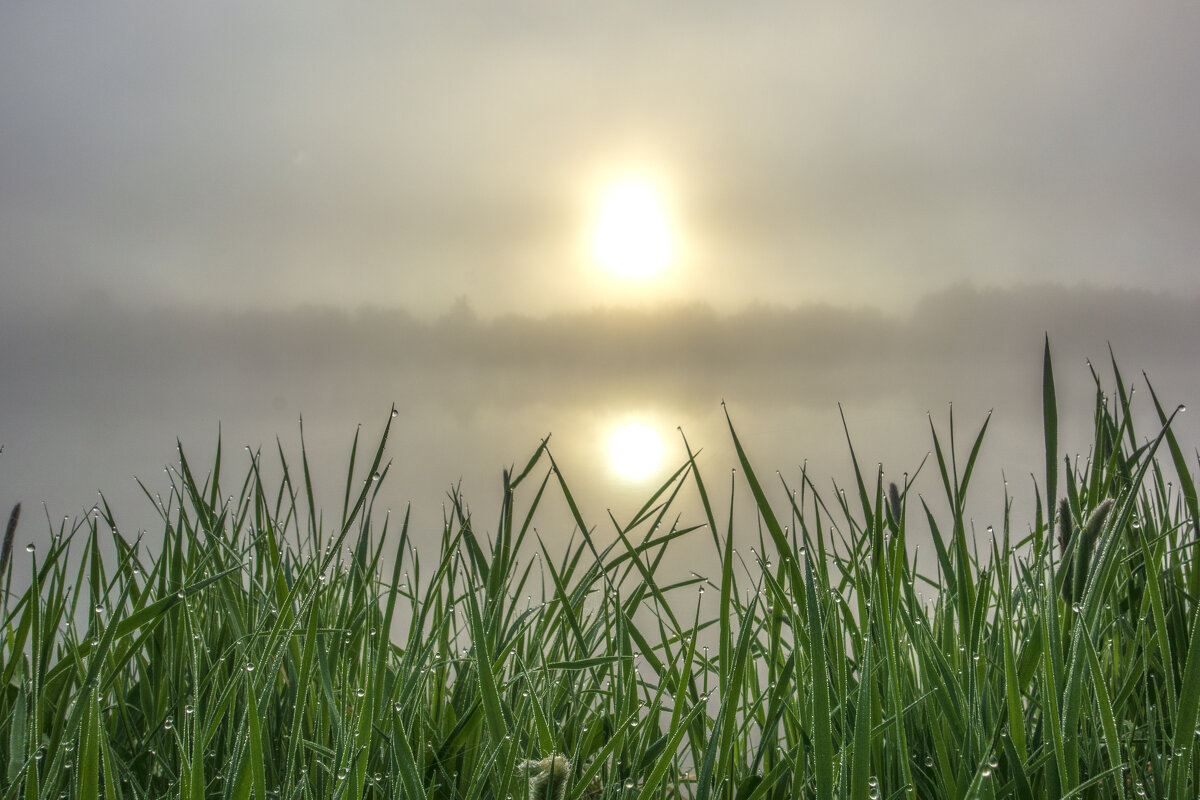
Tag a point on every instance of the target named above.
point(29, 548)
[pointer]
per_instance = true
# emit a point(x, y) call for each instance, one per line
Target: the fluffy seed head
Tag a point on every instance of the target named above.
point(894, 501)
point(548, 777)
point(1064, 524)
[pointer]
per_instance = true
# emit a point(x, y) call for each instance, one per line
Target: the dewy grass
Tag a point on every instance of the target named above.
point(263, 651)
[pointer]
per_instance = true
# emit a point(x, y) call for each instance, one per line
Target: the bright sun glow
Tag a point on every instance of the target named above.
point(632, 235)
point(635, 450)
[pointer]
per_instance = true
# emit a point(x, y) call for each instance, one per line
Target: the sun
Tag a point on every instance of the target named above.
point(635, 450)
point(632, 236)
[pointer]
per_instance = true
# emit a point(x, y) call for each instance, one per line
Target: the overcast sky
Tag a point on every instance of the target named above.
point(237, 213)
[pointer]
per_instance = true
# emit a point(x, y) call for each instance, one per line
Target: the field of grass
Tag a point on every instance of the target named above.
point(247, 653)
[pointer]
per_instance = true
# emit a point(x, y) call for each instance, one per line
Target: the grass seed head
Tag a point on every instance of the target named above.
point(548, 777)
point(1088, 534)
point(1065, 530)
point(894, 502)
point(1064, 525)
point(1095, 520)
point(6, 551)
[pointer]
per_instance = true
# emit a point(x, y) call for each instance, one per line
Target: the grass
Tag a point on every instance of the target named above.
point(264, 649)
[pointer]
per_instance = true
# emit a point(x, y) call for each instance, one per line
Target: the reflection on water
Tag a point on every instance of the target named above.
point(71, 427)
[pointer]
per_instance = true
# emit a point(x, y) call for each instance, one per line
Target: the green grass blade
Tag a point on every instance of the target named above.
point(483, 664)
point(1186, 717)
point(822, 730)
point(860, 769)
point(1050, 430)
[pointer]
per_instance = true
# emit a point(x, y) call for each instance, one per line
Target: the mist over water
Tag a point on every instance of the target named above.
point(93, 399)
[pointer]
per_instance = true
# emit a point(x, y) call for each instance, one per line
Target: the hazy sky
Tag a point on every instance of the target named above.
point(236, 213)
point(269, 154)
